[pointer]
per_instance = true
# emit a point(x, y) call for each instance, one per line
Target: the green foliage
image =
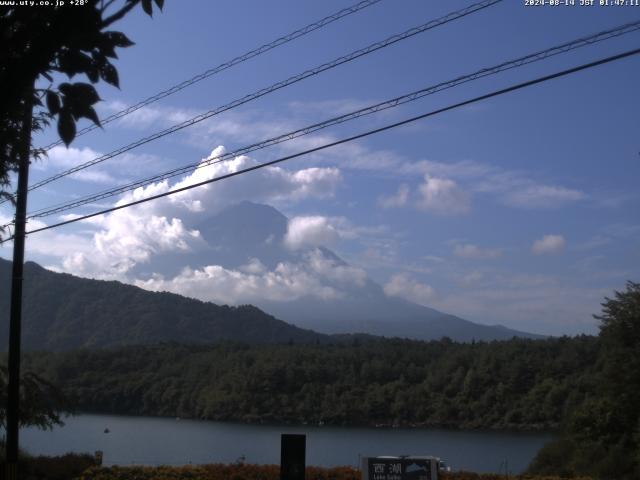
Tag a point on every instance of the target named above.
point(41, 403)
point(82, 467)
point(66, 467)
point(214, 472)
point(495, 476)
point(38, 45)
point(602, 436)
point(620, 356)
point(263, 472)
point(386, 382)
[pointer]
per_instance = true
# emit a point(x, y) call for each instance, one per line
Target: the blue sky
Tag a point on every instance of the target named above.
point(520, 210)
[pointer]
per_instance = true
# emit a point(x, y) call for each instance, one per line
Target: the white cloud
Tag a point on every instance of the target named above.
point(473, 251)
point(398, 199)
point(271, 184)
point(253, 266)
point(132, 236)
point(61, 158)
point(337, 272)
point(114, 170)
point(548, 244)
point(462, 170)
point(513, 188)
point(310, 231)
point(245, 127)
point(311, 182)
point(53, 242)
point(315, 276)
point(128, 239)
point(148, 116)
point(404, 286)
point(443, 196)
point(318, 230)
point(220, 285)
point(545, 196)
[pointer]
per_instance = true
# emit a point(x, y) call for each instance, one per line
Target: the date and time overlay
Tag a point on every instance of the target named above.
point(526, 3)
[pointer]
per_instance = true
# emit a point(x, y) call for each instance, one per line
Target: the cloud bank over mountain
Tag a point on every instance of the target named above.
point(170, 244)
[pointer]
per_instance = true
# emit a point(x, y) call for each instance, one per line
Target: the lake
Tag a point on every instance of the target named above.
point(162, 441)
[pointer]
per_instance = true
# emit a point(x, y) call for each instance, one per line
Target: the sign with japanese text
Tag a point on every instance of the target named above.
point(399, 468)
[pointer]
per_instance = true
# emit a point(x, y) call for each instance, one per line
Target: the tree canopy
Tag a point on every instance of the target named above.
point(41, 44)
point(516, 384)
point(42, 402)
point(602, 437)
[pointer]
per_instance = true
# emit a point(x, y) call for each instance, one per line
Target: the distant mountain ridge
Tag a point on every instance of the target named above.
point(63, 312)
point(248, 231)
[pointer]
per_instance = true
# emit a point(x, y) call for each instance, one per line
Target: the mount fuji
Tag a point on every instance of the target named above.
point(245, 247)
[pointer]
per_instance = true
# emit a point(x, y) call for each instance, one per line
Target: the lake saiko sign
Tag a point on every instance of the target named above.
point(400, 468)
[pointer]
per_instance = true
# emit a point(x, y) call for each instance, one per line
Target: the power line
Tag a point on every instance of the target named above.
point(276, 86)
point(495, 93)
point(224, 66)
point(410, 97)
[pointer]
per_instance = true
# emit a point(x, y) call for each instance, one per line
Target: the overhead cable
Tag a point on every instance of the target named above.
point(276, 86)
point(410, 97)
point(495, 93)
point(224, 66)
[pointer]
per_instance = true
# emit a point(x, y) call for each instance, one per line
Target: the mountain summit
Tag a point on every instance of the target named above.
point(248, 253)
point(245, 255)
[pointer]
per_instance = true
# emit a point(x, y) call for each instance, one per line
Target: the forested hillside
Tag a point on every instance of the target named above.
point(63, 312)
point(520, 384)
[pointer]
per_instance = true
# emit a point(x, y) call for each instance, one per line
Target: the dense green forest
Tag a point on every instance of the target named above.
point(520, 384)
point(601, 436)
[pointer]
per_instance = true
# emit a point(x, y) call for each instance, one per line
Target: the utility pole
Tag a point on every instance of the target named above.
point(15, 321)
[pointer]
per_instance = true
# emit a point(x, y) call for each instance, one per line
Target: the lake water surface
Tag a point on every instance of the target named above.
point(162, 441)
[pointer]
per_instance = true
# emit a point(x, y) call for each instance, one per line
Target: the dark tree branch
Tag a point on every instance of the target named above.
point(105, 6)
point(119, 14)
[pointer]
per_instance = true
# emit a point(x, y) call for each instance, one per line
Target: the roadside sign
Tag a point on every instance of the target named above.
point(399, 468)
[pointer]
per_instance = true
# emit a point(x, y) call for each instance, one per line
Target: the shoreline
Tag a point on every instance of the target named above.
point(378, 426)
